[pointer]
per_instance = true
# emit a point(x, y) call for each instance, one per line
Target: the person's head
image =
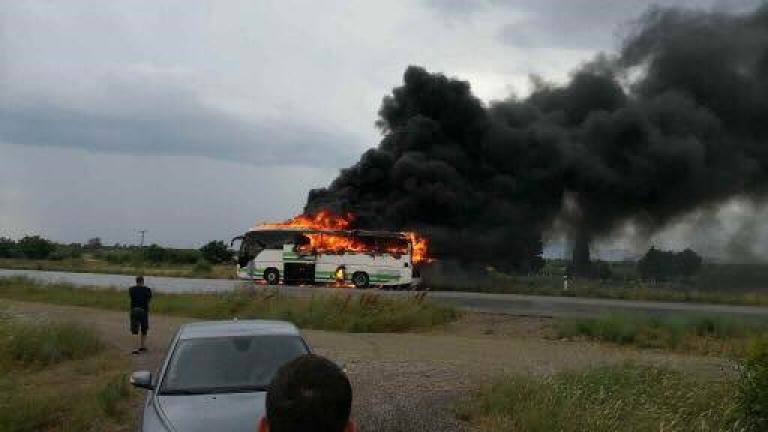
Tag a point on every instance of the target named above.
point(139, 280)
point(310, 393)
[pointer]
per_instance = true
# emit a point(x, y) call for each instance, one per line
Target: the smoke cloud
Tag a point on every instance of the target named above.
point(677, 120)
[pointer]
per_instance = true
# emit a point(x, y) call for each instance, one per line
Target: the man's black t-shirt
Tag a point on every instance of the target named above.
point(140, 296)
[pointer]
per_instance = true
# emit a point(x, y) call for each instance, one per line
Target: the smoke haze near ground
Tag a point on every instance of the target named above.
point(676, 121)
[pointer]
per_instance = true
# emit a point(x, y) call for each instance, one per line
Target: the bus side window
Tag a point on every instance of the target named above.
point(300, 243)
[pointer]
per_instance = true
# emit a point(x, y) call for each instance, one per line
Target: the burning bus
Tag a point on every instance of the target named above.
point(322, 249)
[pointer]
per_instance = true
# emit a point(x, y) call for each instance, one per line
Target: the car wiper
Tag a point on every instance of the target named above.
point(184, 392)
point(213, 390)
point(240, 389)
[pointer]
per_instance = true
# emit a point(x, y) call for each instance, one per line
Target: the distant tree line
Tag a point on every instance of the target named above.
point(664, 265)
point(29, 247)
point(39, 248)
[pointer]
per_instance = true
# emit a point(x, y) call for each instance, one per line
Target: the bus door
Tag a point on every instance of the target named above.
point(298, 262)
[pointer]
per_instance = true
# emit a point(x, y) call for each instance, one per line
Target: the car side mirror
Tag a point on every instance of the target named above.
point(142, 379)
point(342, 366)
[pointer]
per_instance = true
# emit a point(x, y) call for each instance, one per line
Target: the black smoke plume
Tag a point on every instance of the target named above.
point(678, 119)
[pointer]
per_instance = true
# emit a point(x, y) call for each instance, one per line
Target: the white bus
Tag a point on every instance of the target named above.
point(294, 256)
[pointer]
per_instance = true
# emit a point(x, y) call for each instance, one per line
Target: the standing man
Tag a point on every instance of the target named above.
point(140, 297)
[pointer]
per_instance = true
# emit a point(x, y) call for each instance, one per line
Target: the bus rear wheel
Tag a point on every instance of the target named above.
point(360, 279)
point(272, 276)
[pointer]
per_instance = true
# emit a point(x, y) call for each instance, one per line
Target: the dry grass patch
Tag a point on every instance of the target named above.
point(59, 377)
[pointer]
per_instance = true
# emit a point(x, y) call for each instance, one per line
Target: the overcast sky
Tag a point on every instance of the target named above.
point(194, 120)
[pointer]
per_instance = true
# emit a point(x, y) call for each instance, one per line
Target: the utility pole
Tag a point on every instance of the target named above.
point(142, 232)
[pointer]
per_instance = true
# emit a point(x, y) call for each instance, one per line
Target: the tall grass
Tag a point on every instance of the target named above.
point(613, 398)
point(58, 377)
point(112, 396)
point(717, 283)
point(28, 412)
point(700, 333)
point(752, 396)
point(27, 343)
point(627, 397)
point(343, 311)
point(90, 394)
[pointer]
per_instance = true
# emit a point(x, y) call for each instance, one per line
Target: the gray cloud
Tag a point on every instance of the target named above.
point(183, 127)
point(70, 195)
point(590, 24)
point(457, 8)
point(112, 107)
point(571, 24)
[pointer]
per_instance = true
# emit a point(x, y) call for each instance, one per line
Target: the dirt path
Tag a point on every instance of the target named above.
point(406, 382)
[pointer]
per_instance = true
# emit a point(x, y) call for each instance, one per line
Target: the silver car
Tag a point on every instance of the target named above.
point(215, 374)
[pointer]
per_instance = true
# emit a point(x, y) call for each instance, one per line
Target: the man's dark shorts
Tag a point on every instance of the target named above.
point(139, 321)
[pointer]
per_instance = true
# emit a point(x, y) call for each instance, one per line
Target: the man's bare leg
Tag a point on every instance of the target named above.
point(141, 340)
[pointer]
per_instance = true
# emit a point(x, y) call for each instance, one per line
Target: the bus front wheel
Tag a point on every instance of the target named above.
point(360, 279)
point(272, 276)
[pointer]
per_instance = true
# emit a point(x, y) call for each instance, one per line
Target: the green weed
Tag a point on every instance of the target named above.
point(612, 398)
point(27, 343)
point(343, 311)
point(112, 395)
point(753, 387)
point(706, 334)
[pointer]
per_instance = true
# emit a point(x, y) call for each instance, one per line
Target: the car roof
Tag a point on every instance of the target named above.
point(207, 329)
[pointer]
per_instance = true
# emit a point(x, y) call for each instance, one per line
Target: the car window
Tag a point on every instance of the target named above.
point(238, 363)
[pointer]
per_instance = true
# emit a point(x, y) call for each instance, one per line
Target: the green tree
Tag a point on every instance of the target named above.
point(154, 253)
point(649, 265)
point(689, 261)
point(7, 248)
point(72, 250)
point(661, 265)
point(93, 243)
point(35, 247)
point(216, 252)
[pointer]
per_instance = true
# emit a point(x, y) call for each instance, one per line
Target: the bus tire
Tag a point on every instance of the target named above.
point(272, 276)
point(360, 279)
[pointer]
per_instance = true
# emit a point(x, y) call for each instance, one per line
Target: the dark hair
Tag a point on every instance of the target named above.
point(309, 393)
point(139, 279)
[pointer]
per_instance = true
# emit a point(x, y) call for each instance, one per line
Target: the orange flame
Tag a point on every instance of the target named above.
point(339, 243)
point(323, 220)
point(419, 247)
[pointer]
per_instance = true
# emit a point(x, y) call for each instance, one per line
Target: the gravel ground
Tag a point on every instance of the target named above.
point(411, 381)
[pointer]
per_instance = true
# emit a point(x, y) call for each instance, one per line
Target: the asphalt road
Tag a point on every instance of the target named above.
point(509, 304)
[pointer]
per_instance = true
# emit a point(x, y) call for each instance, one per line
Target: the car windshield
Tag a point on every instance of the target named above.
point(228, 364)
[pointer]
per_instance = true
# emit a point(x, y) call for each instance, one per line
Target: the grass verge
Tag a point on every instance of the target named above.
point(627, 397)
point(615, 398)
point(690, 332)
point(45, 343)
point(85, 265)
point(342, 312)
point(717, 283)
point(77, 390)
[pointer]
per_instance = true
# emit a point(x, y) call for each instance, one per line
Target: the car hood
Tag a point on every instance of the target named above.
point(233, 412)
